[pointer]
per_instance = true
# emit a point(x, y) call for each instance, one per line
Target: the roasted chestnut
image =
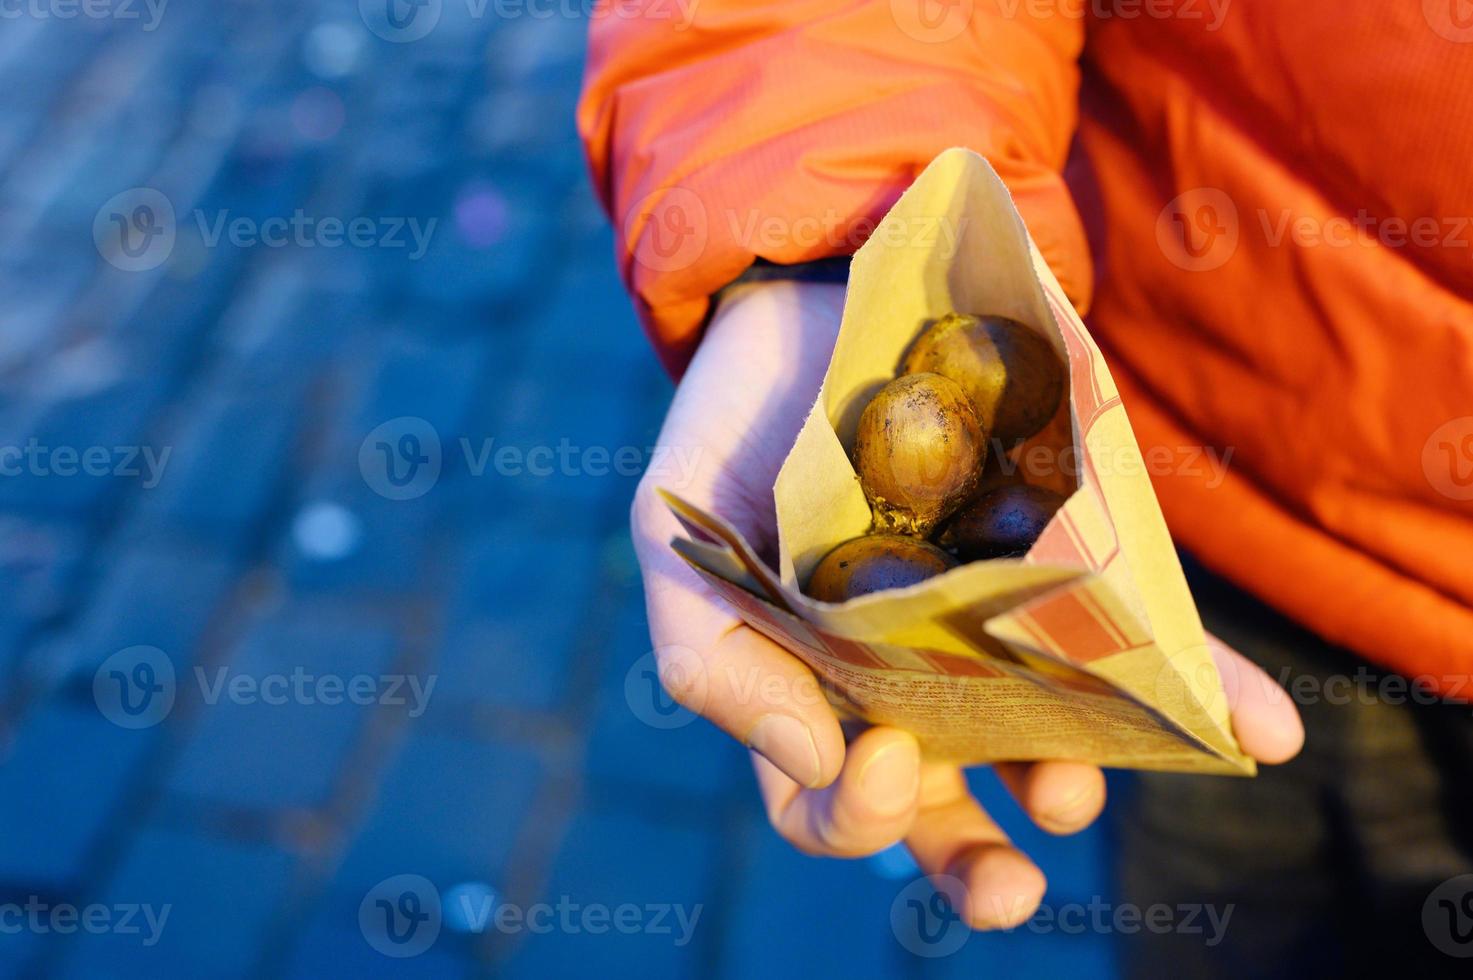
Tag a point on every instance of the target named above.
point(918, 452)
point(873, 563)
point(1002, 523)
point(1010, 373)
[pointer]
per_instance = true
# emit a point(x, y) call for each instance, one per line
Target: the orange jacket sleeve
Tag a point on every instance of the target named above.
point(721, 131)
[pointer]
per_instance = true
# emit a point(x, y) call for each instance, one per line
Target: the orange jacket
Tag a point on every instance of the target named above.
point(1279, 258)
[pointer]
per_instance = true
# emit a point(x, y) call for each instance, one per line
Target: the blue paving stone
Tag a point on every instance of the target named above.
point(1043, 951)
point(38, 562)
point(412, 377)
point(282, 740)
point(569, 434)
point(230, 456)
point(694, 759)
point(159, 594)
point(513, 124)
point(53, 435)
point(384, 544)
point(449, 810)
point(513, 266)
point(65, 776)
point(613, 860)
point(791, 915)
point(17, 953)
point(326, 951)
point(1076, 865)
point(222, 896)
point(589, 316)
point(506, 644)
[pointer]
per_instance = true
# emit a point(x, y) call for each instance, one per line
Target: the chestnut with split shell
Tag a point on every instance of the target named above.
point(874, 563)
point(918, 452)
point(1002, 523)
point(1010, 373)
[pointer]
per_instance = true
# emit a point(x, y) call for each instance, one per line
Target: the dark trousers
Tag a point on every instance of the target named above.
point(1330, 862)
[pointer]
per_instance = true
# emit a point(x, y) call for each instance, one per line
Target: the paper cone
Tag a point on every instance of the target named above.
point(1089, 648)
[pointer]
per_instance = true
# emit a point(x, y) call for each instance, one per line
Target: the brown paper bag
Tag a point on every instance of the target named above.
point(1089, 648)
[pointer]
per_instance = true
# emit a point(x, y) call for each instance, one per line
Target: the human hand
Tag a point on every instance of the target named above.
point(740, 406)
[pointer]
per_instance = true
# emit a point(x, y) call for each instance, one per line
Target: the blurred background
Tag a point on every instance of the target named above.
point(322, 648)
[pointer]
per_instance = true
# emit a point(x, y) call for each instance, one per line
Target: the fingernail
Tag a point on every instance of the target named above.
point(891, 777)
point(787, 743)
point(1068, 813)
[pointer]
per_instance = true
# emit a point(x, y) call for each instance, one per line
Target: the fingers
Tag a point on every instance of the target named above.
point(961, 847)
point(1060, 797)
point(871, 806)
point(1265, 720)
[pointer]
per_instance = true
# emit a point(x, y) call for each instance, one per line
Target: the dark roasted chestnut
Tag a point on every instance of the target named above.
point(918, 452)
point(1010, 372)
point(1002, 523)
point(874, 563)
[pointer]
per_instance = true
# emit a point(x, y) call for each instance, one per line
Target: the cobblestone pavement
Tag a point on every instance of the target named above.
point(321, 636)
